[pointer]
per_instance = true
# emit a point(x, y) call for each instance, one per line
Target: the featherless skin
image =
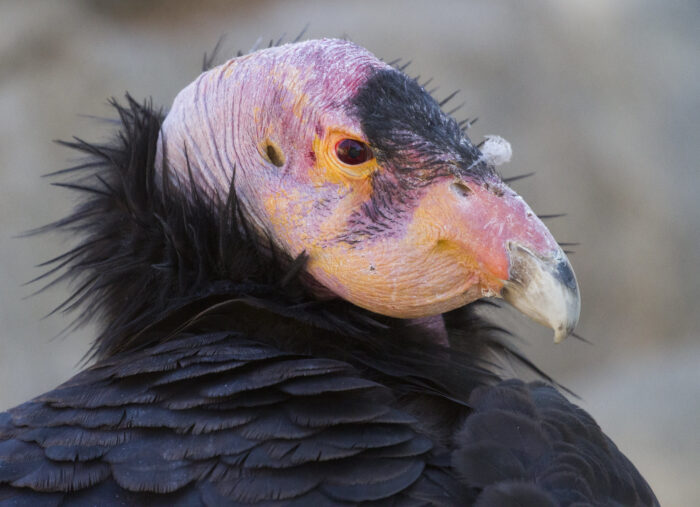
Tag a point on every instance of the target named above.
point(287, 268)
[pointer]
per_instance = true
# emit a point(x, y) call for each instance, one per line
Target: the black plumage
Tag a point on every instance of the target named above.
point(220, 379)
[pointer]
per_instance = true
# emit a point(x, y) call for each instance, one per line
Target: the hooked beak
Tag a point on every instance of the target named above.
point(543, 288)
point(515, 255)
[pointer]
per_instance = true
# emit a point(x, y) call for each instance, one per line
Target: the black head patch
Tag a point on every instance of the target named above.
point(415, 142)
point(409, 132)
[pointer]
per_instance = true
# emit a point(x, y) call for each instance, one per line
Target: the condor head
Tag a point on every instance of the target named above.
point(340, 156)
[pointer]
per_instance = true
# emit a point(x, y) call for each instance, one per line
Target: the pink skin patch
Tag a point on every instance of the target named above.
point(218, 121)
point(493, 215)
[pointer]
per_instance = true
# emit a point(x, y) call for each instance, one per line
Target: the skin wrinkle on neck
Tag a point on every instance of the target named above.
point(206, 118)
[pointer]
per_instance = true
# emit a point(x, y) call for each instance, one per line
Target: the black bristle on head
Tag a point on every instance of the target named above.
point(455, 109)
point(448, 98)
point(517, 177)
point(400, 119)
point(551, 216)
point(301, 34)
point(209, 59)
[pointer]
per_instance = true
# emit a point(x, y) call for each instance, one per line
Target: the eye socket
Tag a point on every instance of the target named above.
point(353, 152)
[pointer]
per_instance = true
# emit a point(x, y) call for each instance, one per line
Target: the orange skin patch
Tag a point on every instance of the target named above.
point(431, 269)
point(424, 272)
point(328, 169)
point(453, 249)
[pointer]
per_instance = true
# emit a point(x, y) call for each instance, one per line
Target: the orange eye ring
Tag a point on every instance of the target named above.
point(342, 156)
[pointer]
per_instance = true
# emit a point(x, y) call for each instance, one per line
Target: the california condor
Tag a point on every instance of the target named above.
point(283, 266)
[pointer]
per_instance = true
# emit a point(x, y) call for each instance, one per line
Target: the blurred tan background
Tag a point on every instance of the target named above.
point(600, 98)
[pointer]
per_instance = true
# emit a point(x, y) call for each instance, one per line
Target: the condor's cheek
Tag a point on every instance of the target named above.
point(287, 210)
point(406, 276)
point(396, 279)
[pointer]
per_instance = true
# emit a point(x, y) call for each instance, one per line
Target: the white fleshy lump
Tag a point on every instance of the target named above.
point(496, 150)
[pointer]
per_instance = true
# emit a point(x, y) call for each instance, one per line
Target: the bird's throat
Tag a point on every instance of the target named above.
point(431, 328)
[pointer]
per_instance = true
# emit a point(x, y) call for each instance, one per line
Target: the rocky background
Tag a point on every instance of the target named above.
point(601, 99)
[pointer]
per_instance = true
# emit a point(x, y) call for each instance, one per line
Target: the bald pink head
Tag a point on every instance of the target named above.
point(340, 156)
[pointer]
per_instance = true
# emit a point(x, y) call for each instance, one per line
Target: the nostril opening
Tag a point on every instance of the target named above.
point(274, 154)
point(461, 189)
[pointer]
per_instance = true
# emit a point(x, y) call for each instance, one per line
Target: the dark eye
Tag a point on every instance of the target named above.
point(353, 152)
